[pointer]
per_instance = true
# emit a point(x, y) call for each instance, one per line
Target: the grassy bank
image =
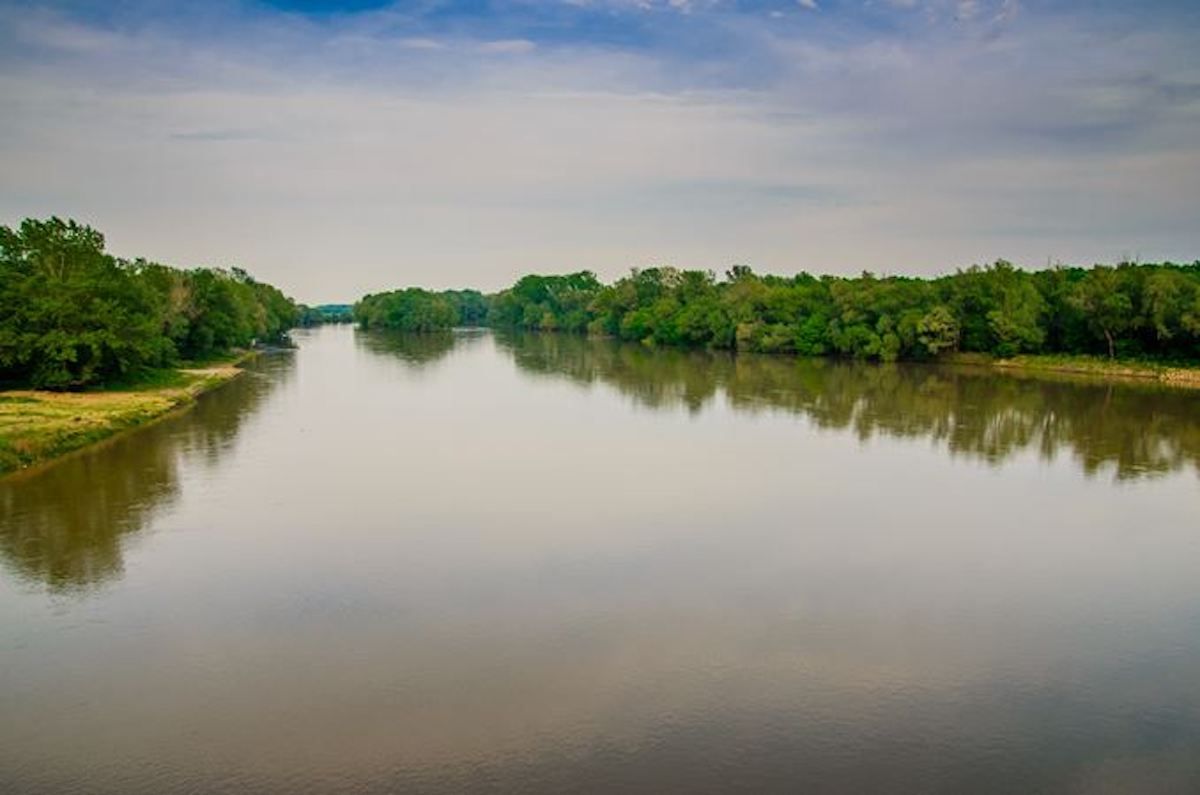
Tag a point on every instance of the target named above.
point(37, 426)
point(1090, 366)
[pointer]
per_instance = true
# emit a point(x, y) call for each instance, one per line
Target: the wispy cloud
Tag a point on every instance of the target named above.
point(219, 135)
point(344, 152)
point(508, 46)
point(418, 43)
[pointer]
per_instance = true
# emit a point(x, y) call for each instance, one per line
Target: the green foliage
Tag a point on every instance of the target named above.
point(470, 307)
point(938, 331)
point(1138, 311)
point(308, 316)
point(1016, 320)
point(73, 316)
point(1149, 311)
point(546, 303)
point(414, 309)
point(1104, 300)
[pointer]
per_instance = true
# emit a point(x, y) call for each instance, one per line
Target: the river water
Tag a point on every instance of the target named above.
point(473, 562)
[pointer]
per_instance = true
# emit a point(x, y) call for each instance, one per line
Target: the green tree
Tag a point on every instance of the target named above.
point(938, 330)
point(1107, 309)
point(1016, 322)
point(72, 315)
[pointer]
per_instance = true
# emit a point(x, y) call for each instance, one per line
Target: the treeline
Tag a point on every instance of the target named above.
point(1131, 310)
point(72, 315)
point(414, 309)
point(308, 316)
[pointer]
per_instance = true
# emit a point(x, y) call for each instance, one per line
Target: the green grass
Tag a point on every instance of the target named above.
point(37, 426)
point(147, 380)
point(234, 357)
point(1093, 366)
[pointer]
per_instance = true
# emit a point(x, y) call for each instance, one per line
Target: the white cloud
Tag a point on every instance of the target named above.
point(508, 46)
point(811, 5)
point(333, 165)
point(421, 44)
point(58, 34)
point(1008, 10)
point(966, 9)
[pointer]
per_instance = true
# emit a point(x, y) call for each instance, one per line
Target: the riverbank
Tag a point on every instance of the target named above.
point(1087, 366)
point(38, 426)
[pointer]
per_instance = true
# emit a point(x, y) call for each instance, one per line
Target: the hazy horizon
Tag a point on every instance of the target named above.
point(336, 149)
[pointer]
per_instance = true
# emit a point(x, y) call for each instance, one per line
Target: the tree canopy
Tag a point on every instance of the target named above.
point(72, 315)
point(1136, 310)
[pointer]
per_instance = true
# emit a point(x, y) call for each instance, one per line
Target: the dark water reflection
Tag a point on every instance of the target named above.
point(415, 350)
point(545, 564)
point(1135, 429)
point(67, 526)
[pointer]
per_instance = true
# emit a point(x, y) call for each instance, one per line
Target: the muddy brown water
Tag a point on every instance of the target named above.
point(479, 563)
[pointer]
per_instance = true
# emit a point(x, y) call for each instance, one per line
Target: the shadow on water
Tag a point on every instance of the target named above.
point(417, 350)
point(1136, 430)
point(67, 526)
point(584, 609)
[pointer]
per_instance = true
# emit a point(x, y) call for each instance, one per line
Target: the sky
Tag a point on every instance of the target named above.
point(339, 148)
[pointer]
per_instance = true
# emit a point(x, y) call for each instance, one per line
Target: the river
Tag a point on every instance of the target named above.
point(477, 562)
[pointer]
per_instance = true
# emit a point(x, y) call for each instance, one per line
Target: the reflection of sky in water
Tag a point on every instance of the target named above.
point(461, 572)
point(1139, 428)
point(64, 524)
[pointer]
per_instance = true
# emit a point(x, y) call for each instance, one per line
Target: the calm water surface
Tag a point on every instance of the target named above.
point(542, 564)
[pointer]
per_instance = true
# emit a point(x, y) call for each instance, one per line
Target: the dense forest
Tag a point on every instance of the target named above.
point(1128, 310)
point(72, 315)
point(414, 309)
point(324, 313)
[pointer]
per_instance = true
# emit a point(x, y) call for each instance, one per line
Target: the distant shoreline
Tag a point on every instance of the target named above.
point(39, 427)
point(1089, 367)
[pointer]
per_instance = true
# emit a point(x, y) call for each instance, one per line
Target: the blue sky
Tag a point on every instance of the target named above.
point(336, 148)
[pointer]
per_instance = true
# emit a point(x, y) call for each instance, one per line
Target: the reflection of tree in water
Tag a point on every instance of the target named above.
point(66, 525)
point(658, 378)
point(416, 349)
point(1137, 429)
